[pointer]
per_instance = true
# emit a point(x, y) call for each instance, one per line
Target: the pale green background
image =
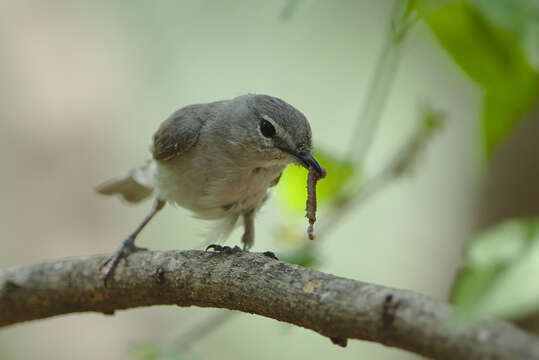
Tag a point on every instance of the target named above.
point(85, 84)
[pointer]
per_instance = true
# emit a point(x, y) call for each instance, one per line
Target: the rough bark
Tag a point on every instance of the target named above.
point(335, 307)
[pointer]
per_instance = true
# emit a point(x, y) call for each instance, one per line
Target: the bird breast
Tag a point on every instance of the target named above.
point(214, 189)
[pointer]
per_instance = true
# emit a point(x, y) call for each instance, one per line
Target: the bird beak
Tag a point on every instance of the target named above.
point(309, 161)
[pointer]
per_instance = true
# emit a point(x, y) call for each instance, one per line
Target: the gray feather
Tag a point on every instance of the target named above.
point(180, 132)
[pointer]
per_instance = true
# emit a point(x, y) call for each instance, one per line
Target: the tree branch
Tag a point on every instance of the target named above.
point(335, 307)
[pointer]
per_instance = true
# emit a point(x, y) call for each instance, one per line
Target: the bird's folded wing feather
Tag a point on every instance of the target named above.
point(179, 132)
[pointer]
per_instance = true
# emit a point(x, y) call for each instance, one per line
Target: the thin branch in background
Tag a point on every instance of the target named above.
point(189, 336)
point(180, 342)
point(382, 80)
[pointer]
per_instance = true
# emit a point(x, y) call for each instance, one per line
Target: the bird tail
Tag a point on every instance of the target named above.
point(134, 187)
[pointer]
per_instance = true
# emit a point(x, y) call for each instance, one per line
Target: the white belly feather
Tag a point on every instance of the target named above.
point(213, 190)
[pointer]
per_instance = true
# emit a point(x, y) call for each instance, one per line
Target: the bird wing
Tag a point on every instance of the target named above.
point(179, 132)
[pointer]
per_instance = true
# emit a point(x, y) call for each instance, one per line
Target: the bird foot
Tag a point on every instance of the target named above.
point(224, 249)
point(128, 247)
point(236, 249)
point(270, 254)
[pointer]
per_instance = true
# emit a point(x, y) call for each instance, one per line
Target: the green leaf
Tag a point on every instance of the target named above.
point(500, 272)
point(157, 352)
point(470, 284)
point(490, 55)
point(292, 188)
point(520, 17)
point(502, 244)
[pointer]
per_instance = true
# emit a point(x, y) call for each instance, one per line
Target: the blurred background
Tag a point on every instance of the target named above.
point(425, 113)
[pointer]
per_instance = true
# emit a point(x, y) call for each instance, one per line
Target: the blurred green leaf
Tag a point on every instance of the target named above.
point(157, 352)
point(471, 283)
point(490, 55)
point(500, 272)
point(520, 17)
point(293, 184)
point(432, 119)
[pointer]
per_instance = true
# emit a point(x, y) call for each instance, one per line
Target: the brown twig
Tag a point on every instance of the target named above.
point(335, 307)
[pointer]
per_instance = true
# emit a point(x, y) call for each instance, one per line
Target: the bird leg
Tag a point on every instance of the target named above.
point(128, 245)
point(248, 237)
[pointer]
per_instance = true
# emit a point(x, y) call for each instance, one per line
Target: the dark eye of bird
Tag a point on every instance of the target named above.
point(267, 129)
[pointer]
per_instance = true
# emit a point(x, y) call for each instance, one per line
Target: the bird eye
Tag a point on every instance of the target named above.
point(267, 129)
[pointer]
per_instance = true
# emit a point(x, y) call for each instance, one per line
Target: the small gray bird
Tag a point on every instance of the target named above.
point(218, 161)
